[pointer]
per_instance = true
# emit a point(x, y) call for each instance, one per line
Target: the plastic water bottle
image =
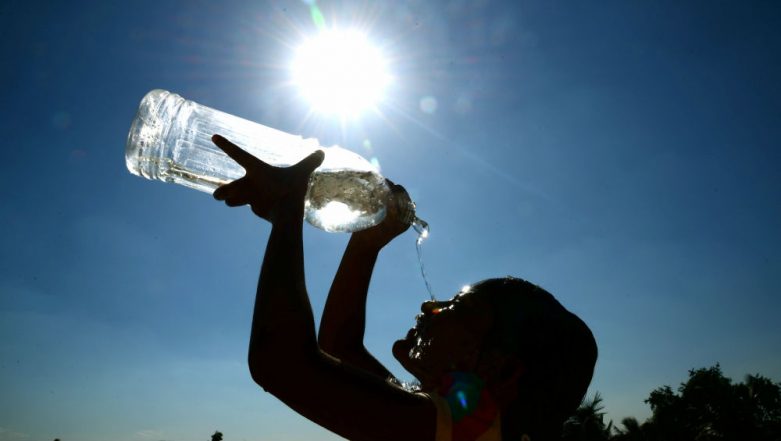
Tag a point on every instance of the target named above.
point(170, 140)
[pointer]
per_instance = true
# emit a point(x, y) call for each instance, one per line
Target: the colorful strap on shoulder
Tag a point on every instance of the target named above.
point(444, 427)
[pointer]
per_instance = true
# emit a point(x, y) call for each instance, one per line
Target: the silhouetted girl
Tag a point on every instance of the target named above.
point(501, 360)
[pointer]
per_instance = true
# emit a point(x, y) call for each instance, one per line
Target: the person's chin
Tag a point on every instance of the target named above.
point(402, 346)
point(401, 350)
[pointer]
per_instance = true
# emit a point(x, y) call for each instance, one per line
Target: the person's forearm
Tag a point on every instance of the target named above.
point(344, 317)
point(283, 325)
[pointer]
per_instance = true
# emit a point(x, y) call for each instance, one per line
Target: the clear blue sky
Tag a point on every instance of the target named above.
point(623, 155)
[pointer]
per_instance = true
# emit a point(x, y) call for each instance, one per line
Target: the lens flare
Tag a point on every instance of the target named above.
point(462, 399)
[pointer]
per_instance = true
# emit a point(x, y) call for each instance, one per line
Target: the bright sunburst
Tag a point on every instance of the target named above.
point(340, 72)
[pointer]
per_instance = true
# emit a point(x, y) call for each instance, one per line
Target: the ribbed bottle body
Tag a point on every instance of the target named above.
point(170, 140)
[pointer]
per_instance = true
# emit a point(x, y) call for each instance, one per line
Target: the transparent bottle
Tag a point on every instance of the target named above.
point(170, 140)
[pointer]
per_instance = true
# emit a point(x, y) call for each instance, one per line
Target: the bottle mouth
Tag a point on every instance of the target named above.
point(144, 147)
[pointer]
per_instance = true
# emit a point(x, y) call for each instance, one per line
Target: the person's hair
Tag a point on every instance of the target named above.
point(557, 350)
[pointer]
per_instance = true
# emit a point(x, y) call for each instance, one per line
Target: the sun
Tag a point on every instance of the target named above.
point(340, 72)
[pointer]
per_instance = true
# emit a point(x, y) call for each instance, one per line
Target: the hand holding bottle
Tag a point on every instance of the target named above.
point(273, 193)
point(399, 216)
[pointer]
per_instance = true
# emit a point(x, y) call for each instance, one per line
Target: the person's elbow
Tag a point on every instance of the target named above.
point(260, 374)
point(273, 367)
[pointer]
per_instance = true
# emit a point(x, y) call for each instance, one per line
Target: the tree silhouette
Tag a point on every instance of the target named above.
point(217, 436)
point(587, 424)
point(710, 407)
point(764, 397)
point(632, 431)
point(707, 407)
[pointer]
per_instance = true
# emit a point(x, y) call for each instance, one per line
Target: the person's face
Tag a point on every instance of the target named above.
point(447, 337)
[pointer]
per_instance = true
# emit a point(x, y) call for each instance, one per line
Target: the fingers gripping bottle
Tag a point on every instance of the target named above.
point(170, 140)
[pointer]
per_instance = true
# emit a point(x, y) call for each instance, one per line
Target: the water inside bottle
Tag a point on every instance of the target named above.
point(345, 200)
point(337, 200)
point(421, 227)
point(169, 171)
point(179, 175)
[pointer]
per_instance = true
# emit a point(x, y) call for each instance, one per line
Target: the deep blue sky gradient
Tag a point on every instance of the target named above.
point(623, 155)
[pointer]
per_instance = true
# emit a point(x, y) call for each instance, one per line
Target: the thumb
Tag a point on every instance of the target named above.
point(310, 163)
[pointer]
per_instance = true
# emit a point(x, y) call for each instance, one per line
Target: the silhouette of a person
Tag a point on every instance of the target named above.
point(501, 360)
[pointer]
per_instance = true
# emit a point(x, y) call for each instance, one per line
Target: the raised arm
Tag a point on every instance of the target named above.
point(284, 357)
point(282, 315)
point(344, 317)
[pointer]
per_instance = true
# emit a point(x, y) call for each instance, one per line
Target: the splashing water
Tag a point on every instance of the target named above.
point(421, 227)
